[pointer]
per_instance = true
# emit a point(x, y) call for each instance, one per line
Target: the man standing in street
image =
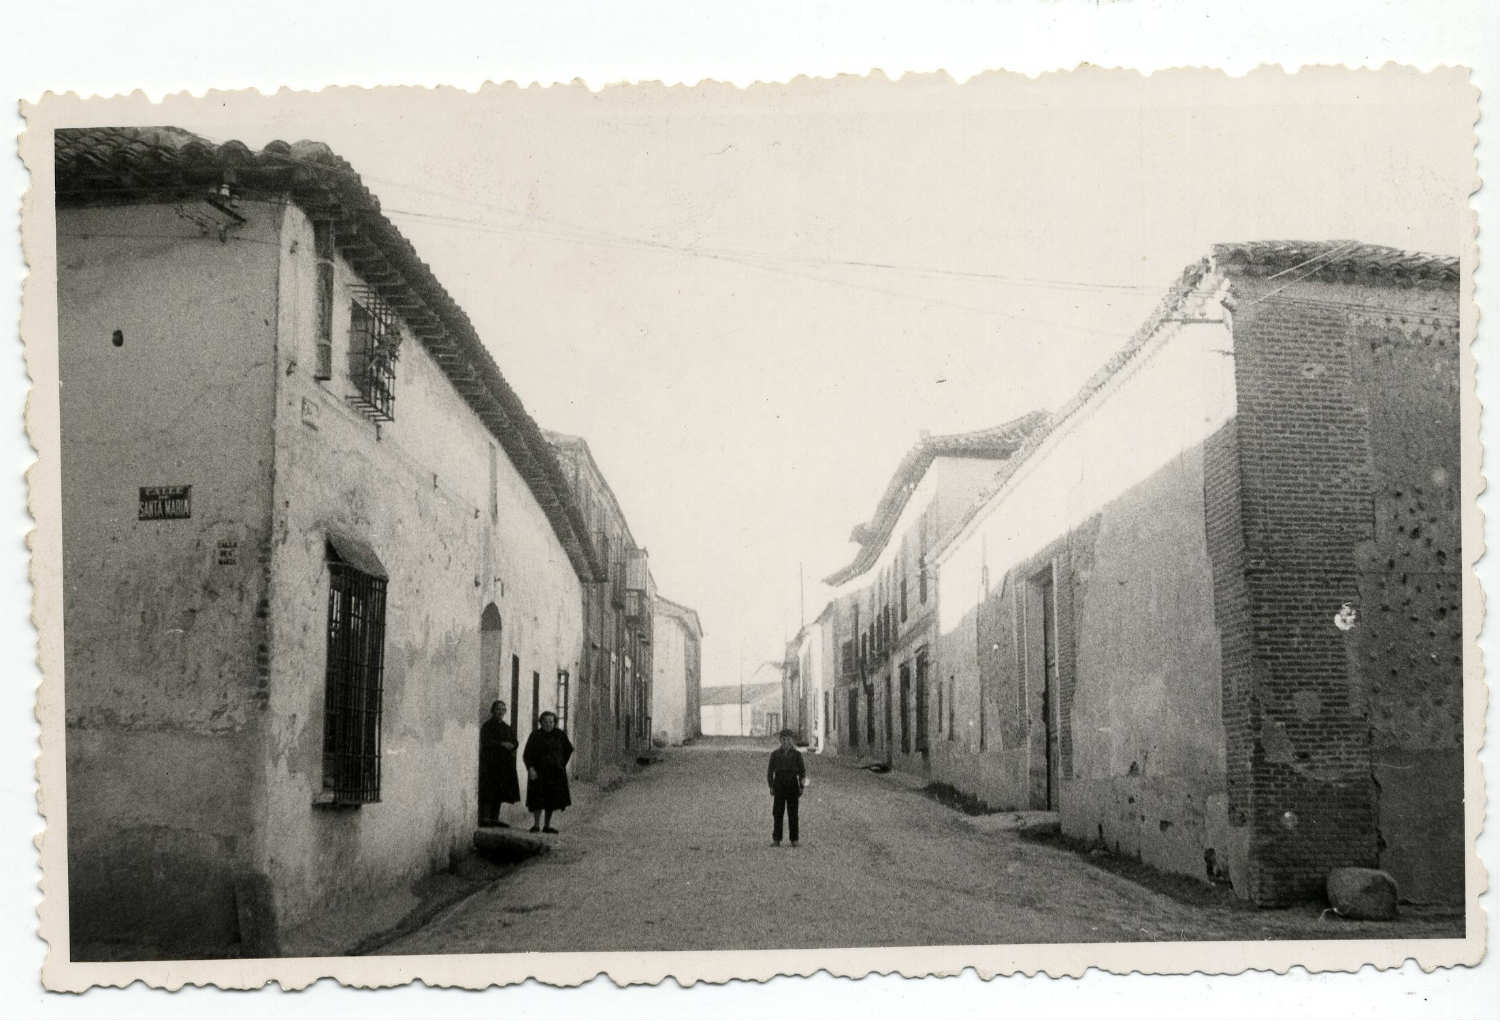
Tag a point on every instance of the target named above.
point(786, 776)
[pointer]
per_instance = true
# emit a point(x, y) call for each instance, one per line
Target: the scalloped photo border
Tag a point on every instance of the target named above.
point(218, 112)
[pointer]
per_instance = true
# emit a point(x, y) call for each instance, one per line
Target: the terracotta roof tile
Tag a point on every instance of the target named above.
point(115, 165)
point(1336, 260)
point(997, 443)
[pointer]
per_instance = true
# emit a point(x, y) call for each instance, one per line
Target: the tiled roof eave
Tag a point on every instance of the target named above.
point(1349, 262)
point(999, 444)
point(114, 166)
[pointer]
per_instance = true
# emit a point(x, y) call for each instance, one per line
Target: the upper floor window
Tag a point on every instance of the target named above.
point(374, 342)
point(323, 253)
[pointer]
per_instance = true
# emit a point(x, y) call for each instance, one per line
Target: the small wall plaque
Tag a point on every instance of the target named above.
point(163, 503)
point(227, 552)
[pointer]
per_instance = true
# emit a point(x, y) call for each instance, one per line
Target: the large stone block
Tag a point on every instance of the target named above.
point(1362, 893)
point(508, 845)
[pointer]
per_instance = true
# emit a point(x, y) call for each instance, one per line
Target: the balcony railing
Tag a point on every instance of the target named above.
point(636, 605)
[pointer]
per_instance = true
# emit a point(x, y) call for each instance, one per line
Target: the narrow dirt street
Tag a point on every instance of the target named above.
point(681, 858)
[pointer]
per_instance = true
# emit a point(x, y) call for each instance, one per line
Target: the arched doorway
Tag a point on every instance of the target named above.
point(490, 664)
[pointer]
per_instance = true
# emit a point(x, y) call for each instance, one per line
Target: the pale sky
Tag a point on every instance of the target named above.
point(751, 302)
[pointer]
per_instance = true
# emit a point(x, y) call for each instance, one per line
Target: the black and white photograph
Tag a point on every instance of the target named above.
point(1017, 523)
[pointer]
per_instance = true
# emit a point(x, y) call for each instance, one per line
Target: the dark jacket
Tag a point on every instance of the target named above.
point(548, 752)
point(786, 772)
point(497, 764)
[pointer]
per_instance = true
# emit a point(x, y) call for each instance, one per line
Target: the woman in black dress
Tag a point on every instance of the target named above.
point(497, 766)
point(546, 756)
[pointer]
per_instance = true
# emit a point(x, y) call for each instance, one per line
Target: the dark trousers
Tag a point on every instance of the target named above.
point(784, 803)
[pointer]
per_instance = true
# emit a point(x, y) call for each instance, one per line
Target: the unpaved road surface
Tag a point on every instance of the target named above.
point(680, 858)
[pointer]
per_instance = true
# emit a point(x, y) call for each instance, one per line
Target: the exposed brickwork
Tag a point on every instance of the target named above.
point(1305, 492)
point(1310, 498)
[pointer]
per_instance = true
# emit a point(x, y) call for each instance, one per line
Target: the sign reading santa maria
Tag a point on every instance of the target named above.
point(163, 503)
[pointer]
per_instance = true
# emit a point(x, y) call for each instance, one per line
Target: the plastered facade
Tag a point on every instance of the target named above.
point(196, 648)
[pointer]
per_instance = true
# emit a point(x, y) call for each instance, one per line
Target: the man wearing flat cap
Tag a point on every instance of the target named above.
point(787, 775)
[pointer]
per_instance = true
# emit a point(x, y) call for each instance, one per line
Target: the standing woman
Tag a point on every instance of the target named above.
point(546, 756)
point(497, 766)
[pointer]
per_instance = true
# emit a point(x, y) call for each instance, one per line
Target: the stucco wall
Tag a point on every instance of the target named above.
point(162, 629)
point(669, 701)
point(693, 682)
point(1411, 643)
point(1111, 504)
point(1147, 773)
point(417, 491)
point(725, 719)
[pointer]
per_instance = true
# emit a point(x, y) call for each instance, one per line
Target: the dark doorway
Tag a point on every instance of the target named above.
point(491, 667)
point(515, 693)
point(1046, 593)
point(889, 736)
point(536, 698)
point(905, 672)
point(870, 716)
point(922, 681)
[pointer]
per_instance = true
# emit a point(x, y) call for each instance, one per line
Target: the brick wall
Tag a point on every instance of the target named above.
point(1305, 490)
point(1297, 709)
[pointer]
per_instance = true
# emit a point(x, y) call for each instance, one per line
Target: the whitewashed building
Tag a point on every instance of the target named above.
point(677, 658)
point(309, 533)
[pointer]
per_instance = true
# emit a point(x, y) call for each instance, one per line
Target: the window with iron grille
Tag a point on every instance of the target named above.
point(323, 253)
point(356, 660)
point(374, 342)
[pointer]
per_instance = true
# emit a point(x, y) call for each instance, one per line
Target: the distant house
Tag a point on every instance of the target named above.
point(753, 710)
point(886, 701)
point(808, 681)
point(309, 533)
point(614, 721)
point(677, 653)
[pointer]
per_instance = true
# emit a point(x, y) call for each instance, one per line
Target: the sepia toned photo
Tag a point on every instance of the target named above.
point(857, 524)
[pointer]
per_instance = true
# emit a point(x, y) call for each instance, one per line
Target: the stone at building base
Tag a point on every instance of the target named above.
point(1365, 894)
point(508, 845)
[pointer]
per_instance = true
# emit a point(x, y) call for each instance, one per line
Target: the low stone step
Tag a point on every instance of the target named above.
point(505, 845)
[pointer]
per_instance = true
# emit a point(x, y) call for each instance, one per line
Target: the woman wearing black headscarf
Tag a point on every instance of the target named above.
point(498, 785)
point(546, 756)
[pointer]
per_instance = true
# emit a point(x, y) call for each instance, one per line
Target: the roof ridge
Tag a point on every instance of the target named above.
point(998, 443)
point(108, 163)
